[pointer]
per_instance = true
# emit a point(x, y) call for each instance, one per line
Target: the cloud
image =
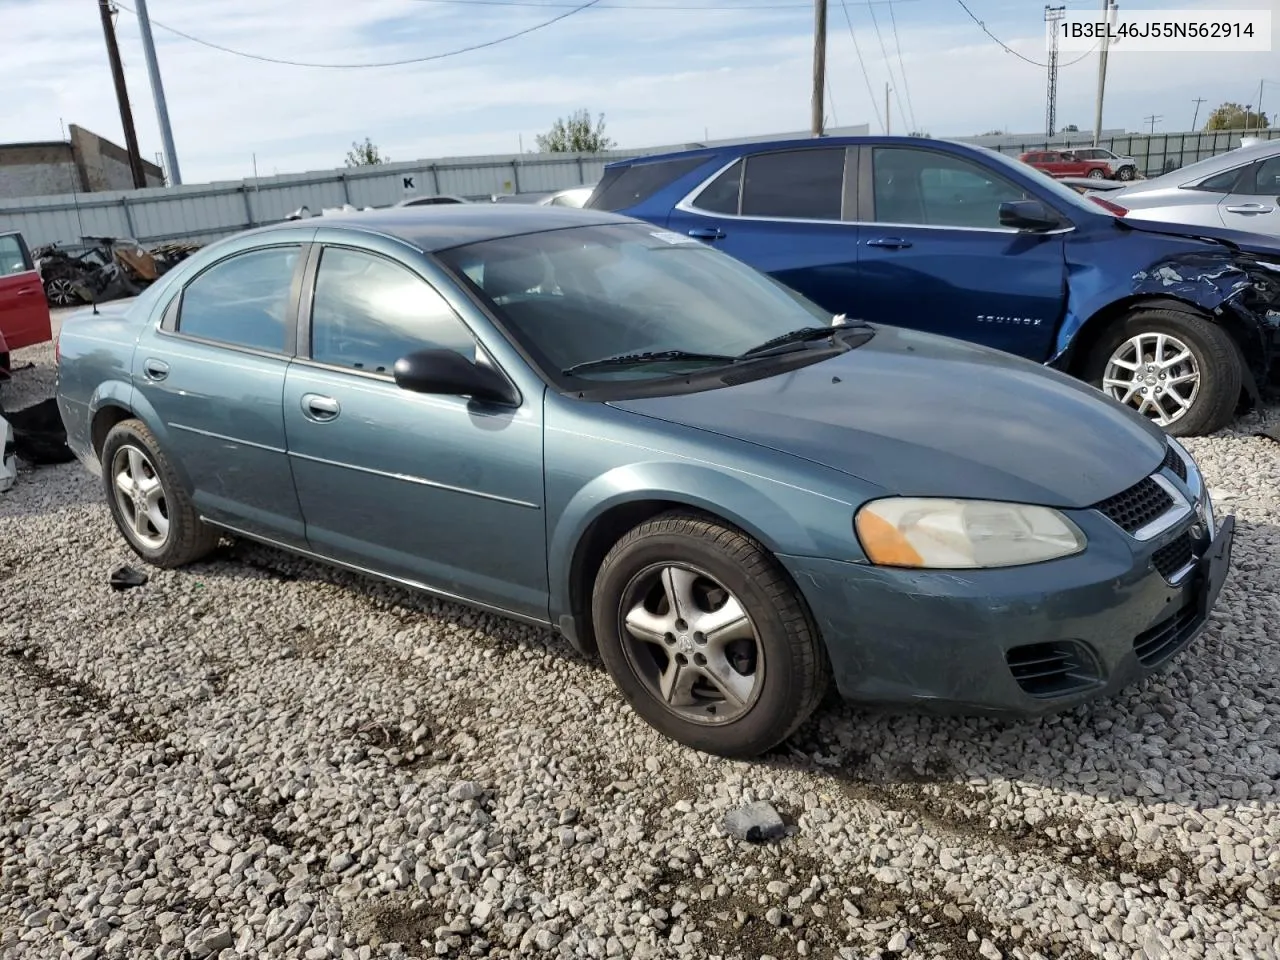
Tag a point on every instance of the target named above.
point(659, 77)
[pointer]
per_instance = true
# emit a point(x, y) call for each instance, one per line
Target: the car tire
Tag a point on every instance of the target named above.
point(778, 670)
point(131, 449)
point(1096, 174)
point(1126, 173)
point(1214, 357)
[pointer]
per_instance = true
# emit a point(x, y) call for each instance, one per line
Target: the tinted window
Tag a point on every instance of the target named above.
point(935, 189)
point(808, 184)
point(1266, 179)
point(721, 194)
point(368, 312)
point(242, 300)
point(13, 259)
point(624, 187)
point(1092, 155)
point(1222, 182)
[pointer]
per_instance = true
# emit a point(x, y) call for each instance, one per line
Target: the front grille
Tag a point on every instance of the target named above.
point(1133, 509)
point(1052, 669)
point(1173, 556)
point(1172, 461)
point(1162, 641)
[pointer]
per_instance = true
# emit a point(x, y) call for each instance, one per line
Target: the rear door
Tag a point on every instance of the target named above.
point(1254, 202)
point(24, 312)
point(935, 257)
point(787, 213)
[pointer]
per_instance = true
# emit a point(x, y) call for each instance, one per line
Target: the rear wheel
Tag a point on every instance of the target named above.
point(1181, 371)
point(1096, 174)
point(60, 291)
point(705, 636)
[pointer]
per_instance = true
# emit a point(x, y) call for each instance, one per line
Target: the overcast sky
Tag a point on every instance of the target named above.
point(659, 76)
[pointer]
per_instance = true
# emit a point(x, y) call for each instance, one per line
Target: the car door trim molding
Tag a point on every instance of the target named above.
point(420, 481)
point(222, 436)
point(368, 571)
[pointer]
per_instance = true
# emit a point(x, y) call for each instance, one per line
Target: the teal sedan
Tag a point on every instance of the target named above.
point(610, 430)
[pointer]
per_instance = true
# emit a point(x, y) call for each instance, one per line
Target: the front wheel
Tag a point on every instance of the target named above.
point(1181, 371)
point(706, 637)
point(1126, 173)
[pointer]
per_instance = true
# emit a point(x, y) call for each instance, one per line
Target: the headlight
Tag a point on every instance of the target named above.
point(943, 534)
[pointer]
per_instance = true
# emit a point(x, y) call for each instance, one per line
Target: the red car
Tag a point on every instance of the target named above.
point(24, 311)
point(1064, 163)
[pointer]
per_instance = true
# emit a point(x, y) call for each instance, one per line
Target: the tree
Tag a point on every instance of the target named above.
point(920, 133)
point(364, 154)
point(1232, 116)
point(994, 133)
point(575, 135)
point(1071, 128)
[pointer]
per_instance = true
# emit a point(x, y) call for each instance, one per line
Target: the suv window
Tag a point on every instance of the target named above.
point(368, 312)
point(624, 187)
point(242, 301)
point(803, 184)
point(722, 194)
point(928, 188)
point(1092, 155)
point(13, 258)
point(1265, 180)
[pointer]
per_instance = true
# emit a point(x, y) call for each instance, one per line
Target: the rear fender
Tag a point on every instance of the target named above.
point(117, 393)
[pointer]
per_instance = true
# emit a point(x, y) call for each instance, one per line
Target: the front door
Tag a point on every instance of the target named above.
point(782, 212)
point(24, 312)
point(437, 490)
point(935, 257)
point(213, 372)
point(1254, 202)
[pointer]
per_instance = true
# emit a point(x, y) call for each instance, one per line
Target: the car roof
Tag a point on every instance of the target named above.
point(441, 226)
point(796, 143)
point(1216, 164)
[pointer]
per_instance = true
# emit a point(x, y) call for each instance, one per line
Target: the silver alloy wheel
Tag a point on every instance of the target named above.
point(1096, 174)
point(61, 292)
point(1126, 173)
point(140, 496)
point(692, 643)
point(1156, 374)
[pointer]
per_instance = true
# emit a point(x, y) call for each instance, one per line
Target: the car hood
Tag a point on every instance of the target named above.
point(920, 415)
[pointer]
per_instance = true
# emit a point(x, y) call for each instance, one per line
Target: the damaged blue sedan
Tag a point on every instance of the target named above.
point(600, 427)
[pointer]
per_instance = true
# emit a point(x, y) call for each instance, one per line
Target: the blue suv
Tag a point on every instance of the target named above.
point(1179, 323)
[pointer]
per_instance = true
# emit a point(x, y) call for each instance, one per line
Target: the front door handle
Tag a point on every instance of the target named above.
point(319, 408)
point(893, 243)
point(154, 369)
point(1249, 208)
point(707, 233)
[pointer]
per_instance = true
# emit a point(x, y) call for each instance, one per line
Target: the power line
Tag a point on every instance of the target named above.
point(725, 8)
point(888, 65)
point(902, 68)
point(861, 62)
point(1008, 49)
point(357, 66)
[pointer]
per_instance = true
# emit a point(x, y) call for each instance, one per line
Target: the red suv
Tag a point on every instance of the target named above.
point(24, 312)
point(1064, 163)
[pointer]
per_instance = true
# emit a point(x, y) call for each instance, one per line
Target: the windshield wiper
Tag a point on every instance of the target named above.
point(638, 359)
point(801, 336)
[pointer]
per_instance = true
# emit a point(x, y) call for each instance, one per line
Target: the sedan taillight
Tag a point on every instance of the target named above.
point(1110, 207)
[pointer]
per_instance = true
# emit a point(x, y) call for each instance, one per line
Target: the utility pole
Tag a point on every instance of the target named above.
point(819, 62)
point(1051, 16)
point(1153, 120)
point(1260, 83)
point(887, 88)
point(1196, 116)
point(157, 93)
point(1108, 8)
point(122, 97)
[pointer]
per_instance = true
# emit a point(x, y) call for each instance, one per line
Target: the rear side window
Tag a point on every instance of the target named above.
point(801, 184)
point(623, 187)
point(1221, 182)
point(13, 258)
point(723, 193)
point(242, 301)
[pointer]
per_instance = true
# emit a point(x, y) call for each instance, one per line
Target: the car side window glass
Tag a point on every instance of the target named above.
point(368, 312)
point(12, 259)
point(1220, 182)
point(801, 184)
point(721, 194)
point(242, 301)
point(1265, 181)
point(927, 188)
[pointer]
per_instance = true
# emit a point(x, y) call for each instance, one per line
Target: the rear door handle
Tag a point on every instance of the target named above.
point(319, 408)
point(1249, 208)
point(707, 233)
point(893, 243)
point(154, 369)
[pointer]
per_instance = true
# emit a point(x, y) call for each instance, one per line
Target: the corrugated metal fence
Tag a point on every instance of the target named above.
point(205, 212)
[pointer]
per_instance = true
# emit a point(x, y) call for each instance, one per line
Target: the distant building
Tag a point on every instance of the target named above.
point(1038, 141)
point(85, 163)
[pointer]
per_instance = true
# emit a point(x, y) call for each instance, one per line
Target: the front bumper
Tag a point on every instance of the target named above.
point(1021, 641)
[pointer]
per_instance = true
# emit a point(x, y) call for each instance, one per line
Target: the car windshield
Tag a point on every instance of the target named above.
point(585, 294)
point(1061, 192)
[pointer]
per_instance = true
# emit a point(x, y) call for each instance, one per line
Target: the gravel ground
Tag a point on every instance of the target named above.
point(258, 756)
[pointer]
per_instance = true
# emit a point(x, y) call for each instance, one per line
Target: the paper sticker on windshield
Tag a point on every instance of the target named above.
point(666, 236)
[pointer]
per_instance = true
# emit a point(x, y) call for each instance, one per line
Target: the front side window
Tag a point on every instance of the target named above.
point(927, 188)
point(13, 259)
point(569, 297)
point(368, 312)
point(797, 184)
point(242, 301)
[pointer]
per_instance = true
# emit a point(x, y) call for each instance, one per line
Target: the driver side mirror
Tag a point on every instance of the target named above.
point(447, 372)
point(1029, 215)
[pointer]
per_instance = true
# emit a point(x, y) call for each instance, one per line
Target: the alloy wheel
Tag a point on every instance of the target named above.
point(692, 643)
point(1156, 374)
point(61, 292)
point(140, 496)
